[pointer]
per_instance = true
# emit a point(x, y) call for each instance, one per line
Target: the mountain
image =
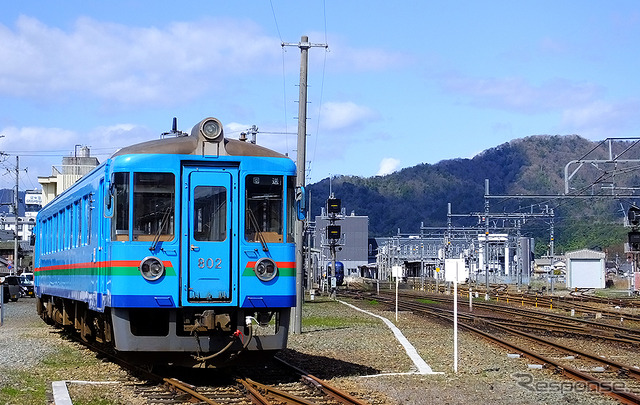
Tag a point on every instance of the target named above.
point(529, 166)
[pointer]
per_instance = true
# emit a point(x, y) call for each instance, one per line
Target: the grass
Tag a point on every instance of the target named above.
point(30, 387)
point(24, 388)
point(427, 301)
point(611, 293)
point(330, 314)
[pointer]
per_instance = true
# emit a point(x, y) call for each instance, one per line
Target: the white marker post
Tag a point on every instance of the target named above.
point(397, 271)
point(396, 299)
point(455, 323)
point(452, 268)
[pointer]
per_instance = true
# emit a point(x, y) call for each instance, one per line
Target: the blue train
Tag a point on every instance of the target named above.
point(176, 251)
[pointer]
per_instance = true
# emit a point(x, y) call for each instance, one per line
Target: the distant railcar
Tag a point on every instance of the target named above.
point(339, 272)
point(178, 250)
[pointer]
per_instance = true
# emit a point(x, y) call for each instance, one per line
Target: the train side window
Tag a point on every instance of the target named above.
point(153, 206)
point(78, 219)
point(120, 221)
point(264, 208)
point(85, 216)
point(210, 213)
point(90, 211)
point(41, 230)
point(61, 231)
point(70, 226)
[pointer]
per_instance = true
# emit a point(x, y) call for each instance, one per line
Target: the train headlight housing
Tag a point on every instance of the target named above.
point(151, 268)
point(211, 129)
point(266, 269)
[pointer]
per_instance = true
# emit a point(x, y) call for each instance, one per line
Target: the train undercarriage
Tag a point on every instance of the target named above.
point(189, 337)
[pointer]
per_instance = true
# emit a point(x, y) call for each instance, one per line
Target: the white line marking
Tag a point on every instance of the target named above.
point(421, 365)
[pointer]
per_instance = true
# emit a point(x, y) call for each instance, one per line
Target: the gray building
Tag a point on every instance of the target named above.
point(353, 249)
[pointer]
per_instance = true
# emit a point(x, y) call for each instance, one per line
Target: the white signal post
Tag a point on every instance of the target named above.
point(455, 323)
point(397, 271)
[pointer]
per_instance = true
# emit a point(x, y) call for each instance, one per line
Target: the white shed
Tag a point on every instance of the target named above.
point(585, 269)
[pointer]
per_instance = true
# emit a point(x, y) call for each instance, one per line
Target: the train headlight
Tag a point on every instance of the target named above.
point(151, 268)
point(266, 269)
point(211, 129)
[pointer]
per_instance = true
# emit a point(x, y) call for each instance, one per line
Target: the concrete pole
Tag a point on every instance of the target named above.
point(301, 157)
point(14, 270)
point(486, 233)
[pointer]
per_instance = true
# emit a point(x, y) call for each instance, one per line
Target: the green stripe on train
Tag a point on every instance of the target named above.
point(284, 272)
point(93, 271)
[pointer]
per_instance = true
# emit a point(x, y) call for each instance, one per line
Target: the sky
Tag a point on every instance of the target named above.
point(399, 83)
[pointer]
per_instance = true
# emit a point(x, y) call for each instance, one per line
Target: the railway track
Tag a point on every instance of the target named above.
point(579, 300)
point(307, 390)
point(547, 321)
point(267, 382)
point(627, 309)
point(617, 380)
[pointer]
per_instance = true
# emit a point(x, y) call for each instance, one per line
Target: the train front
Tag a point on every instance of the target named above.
point(207, 223)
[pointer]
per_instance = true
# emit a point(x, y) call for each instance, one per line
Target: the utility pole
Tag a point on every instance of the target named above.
point(14, 270)
point(304, 46)
point(486, 234)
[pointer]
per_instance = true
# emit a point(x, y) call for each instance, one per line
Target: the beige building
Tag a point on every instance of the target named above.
point(72, 169)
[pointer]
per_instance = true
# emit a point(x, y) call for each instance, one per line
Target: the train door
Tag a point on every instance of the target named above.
point(208, 228)
point(102, 253)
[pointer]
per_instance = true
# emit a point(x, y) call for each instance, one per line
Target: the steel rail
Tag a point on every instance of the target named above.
point(255, 395)
point(497, 307)
point(470, 317)
point(271, 391)
point(184, 388)
point(171, 382)
point(335, 393)
point(593, 383)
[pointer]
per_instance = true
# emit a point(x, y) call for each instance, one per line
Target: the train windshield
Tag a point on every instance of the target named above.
point(153, 206)
point(264, 219)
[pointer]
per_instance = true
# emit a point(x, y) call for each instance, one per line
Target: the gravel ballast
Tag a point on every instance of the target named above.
point(356, 351)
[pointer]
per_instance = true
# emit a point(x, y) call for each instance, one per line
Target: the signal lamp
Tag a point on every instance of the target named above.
point(634, 240)
point(634, 215)
point(334, 206)
point(333, 232)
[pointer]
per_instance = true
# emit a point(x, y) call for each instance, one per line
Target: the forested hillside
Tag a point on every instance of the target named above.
point(528, 166)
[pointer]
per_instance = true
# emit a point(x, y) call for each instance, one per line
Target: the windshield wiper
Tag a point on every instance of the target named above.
point(254, 223)
point(163, 222)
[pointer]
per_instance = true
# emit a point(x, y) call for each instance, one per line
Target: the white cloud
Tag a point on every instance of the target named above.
point(387, 166)
point(601, 119)
point(107, 140)
point(130, 64)
point(517, 94)
point(159, 65)
point(338, 116)
point(35, 138)
point(41, 148)
point(347, 58)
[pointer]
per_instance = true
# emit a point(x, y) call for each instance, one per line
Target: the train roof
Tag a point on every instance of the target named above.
point(206, 138)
